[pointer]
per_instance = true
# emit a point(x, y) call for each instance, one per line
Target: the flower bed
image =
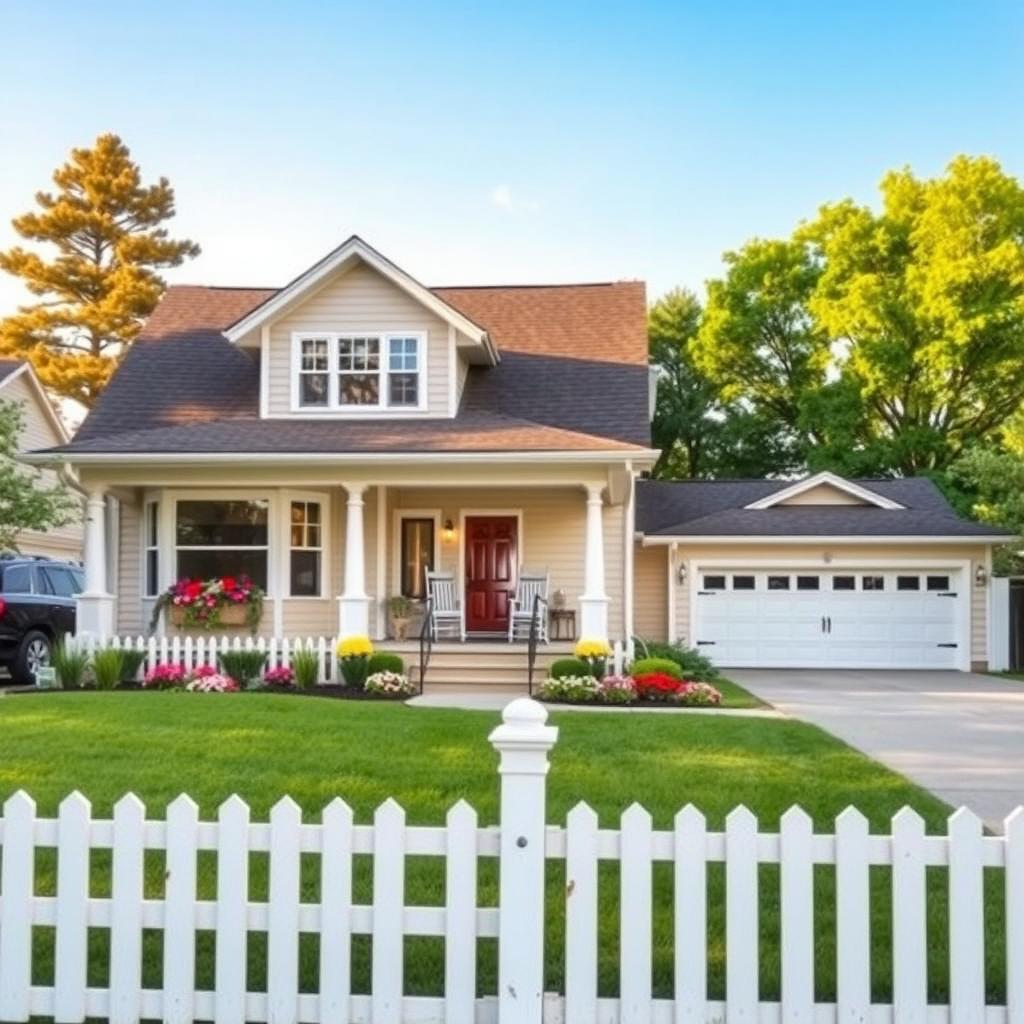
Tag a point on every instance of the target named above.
point(651, 689)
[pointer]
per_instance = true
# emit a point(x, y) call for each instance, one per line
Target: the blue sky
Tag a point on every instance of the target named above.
point(506, 143)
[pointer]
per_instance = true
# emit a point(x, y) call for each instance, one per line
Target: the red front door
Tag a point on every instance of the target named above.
point(491, 560)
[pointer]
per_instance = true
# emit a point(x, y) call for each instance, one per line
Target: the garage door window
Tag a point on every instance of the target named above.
point(908, 582)
point(807, 583)
point(938, 583)
point(873, 583)
point(714, 583)
point(778, 583)
point(844, 582)
point(743, 583)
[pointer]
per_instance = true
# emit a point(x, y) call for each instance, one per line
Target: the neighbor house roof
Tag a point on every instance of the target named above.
point(9, 367)
point(573, 374)
point(717, 508)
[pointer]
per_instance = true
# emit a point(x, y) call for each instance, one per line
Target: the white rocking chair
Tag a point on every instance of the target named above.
point(521, 608)
point(445, 608)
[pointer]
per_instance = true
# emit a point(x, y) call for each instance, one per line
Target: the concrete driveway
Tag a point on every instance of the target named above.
point(959, 735)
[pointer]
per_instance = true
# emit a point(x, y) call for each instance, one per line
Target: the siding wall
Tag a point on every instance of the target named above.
point(359, 300)
point(132, 613)
point(976, 553)
point(38, 432)
point(650, 611)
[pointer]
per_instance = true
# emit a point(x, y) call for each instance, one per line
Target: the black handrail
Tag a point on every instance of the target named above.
point(531, 649)
point(426, 640)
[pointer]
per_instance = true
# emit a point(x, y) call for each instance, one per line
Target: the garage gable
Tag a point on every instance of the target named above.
point(825, 489)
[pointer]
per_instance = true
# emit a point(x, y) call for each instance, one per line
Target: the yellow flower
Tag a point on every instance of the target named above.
point(354, 646)
point(590, 648)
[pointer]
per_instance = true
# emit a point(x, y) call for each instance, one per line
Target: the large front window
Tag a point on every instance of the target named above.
point(222, 538)
point(359, 372)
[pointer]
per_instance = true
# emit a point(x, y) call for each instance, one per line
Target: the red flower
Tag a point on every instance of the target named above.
point(228, 583)
point(657, 686)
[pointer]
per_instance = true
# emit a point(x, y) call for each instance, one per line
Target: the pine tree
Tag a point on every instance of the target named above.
point(102, 283)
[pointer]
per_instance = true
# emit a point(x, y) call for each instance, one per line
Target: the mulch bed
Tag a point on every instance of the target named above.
point(331, 691)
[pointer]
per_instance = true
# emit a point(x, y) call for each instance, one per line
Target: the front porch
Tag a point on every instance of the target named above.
point(331, 556)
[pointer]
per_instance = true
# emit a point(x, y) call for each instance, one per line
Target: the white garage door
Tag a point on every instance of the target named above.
point(802, 618)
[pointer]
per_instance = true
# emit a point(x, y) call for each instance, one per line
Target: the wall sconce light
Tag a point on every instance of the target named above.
point(681, 574)
point(448, 533)
point(980, 576)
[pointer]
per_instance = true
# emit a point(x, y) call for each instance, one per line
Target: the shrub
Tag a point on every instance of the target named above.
point(389, 684)
point(692, 664)
point(584, 689)
point(70, 664)
point(697, 695)
point(215, 683)
point(306, 666)
point(385, 661)
point(568, 667)
point(617, 690)
point(131, 662)
point(659, 666)
point(281, 676)
point(245, 667)
point(165, 676)
point(107, 668)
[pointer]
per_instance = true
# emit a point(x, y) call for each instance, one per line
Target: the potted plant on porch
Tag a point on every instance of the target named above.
point(400, 611)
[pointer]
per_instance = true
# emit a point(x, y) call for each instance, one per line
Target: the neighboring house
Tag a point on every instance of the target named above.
point(336, 437)
point(41, 428)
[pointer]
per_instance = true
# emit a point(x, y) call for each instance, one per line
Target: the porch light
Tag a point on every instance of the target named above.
point(681, 574)
point(980, 576)
point(449, 531)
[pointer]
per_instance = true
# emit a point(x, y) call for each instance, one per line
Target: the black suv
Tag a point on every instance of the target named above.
point(37, 607)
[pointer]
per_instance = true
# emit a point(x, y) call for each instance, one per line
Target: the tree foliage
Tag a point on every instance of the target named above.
point(27, 502)
point(102, 283)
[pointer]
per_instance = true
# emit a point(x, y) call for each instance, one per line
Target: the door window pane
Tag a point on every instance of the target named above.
point(873, 583)
point(743, 583)
point(807, 583)
point(908, 582)
point(778, 583)
point(714, 583)
point(417, 555)
point(938, 583)
point(844, 582)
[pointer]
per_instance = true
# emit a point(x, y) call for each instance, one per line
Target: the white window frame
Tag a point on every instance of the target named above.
point(334, 408)
point(171, 505)
point(148, 545)
point(309, 497)
point(299, 372)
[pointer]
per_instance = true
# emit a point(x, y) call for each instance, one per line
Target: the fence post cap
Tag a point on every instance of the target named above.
point(522, 728)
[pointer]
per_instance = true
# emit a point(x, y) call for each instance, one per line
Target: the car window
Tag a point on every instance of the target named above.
point(77, 580)
point(60, 580)
point(18, 579)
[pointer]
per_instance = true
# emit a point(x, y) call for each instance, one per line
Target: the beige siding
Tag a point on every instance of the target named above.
point(823, 494)
point(650, 602)
point(359, 300)
point(784, 553)
point(39, 432)
point(132, 613)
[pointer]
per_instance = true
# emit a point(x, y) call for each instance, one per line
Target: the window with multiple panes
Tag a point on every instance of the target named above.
point(359, 371)
point(417, 555)
point(221, 538)
point(306, 555)
point(151, 548)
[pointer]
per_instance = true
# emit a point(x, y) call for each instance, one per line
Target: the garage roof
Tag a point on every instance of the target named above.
point(717, 508)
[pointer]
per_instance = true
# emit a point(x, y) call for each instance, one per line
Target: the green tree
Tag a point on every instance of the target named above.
point(699, 435)
point(26, 501)
point(102, 283)
point(926, 300)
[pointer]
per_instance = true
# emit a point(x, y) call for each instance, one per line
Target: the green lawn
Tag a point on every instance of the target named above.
point(734, 696)
point(263, 746)
point(1018, 676)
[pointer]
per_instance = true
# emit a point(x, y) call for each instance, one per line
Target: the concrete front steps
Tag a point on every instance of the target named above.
point(500, 667)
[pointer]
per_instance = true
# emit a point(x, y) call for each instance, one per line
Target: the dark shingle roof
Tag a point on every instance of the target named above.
point(9, 366)
point(574, 358)
point(715, 508)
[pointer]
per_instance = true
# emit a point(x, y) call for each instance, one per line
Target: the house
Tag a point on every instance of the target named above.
point(337, 437)
point(41, 428)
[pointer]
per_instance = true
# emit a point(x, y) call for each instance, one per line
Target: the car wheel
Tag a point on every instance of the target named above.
point(34, 653)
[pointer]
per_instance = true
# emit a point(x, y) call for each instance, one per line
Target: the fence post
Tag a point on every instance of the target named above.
point(522, 741)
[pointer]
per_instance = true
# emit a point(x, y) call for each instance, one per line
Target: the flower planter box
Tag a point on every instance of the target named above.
point(231, 615)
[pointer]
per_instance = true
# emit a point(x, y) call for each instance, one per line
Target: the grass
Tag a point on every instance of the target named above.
point(734, 696)
point(1016, 676)
point(263, 746)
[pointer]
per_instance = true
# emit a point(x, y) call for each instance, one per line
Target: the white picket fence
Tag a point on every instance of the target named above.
point(523, 843)
point(193, 652)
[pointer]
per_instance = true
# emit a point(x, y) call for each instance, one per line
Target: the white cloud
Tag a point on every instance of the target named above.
point(503, 199)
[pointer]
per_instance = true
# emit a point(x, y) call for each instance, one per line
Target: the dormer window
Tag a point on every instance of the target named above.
point(358, 372)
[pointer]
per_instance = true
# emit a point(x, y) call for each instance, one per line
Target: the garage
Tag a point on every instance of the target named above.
point(862, 617)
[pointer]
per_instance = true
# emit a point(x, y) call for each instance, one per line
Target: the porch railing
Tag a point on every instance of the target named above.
point(540, 607)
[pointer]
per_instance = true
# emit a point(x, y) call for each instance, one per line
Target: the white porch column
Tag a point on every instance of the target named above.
point(594, 600)
point(354, 603)
point(95, 605)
